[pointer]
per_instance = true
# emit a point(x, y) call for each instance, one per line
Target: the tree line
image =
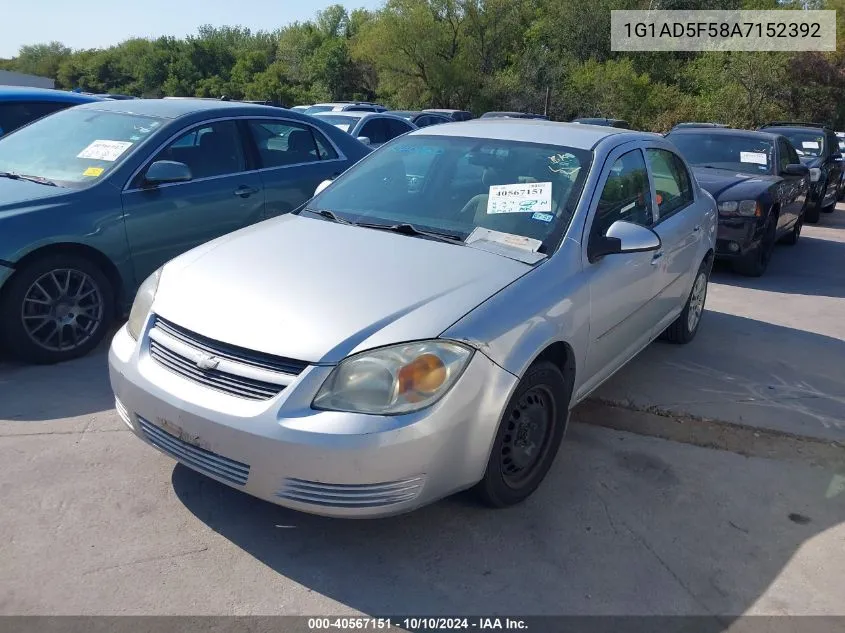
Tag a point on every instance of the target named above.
point(479, 55)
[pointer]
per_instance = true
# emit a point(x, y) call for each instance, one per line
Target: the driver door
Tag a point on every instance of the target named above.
point(623, 310)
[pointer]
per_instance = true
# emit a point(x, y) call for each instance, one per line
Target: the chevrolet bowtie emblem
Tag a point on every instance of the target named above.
point(208, 362)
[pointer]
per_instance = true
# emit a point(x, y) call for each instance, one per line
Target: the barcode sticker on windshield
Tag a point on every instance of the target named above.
point(521, 198)
point(104, 150)
point(810, 144)
point(757, 158)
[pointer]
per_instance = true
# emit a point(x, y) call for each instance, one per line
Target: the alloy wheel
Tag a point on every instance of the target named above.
point(696, 301)
point(62, 310)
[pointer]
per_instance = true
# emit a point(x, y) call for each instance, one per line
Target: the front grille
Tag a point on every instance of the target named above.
point(231, 352)
point(202, 460)
point(276, 371)
point(351, 495)
point(213, 378)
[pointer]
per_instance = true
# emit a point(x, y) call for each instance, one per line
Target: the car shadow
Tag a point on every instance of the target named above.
point(812, 267)
point(623, 525)
point(37, 393)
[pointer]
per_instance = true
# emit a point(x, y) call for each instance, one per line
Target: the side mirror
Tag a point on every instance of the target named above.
point(164, 171)
point(623, 237)
point(796, 169)
point(322, 186)
point(364, 139)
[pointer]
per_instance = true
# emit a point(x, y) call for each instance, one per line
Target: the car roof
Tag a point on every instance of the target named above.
point(360, 114)
point(723, 131)
point(444, 110)
point(795, 127)
point(175, 108)
point(25, 93)
point(577, 135)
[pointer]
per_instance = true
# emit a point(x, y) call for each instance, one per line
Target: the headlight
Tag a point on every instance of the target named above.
point(746, 208)
point(393, 380)
point(142, 304)
point(815, 174)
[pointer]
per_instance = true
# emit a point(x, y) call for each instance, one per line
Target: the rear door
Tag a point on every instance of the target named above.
point(678, 223)
point(224, 195)
point(293, 158)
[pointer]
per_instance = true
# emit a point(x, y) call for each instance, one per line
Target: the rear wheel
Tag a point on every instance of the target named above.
point(56, 308)
point(756, 261)
point(528, 437)
point(791, 238)
point(685, 327)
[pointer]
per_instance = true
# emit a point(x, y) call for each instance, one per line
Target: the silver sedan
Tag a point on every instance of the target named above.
point(425, 323)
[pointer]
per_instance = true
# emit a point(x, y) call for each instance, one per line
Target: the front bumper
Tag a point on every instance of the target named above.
point(736, 236)
point(323, 462)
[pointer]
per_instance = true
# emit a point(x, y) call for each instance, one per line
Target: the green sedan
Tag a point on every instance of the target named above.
point(95, 198)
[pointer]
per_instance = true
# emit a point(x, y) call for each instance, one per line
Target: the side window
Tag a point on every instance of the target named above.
point(671, 181)
point(208, 150)
point(282, 143)
point(626, 195)
point(375, 130)
point(396, 128)
point(324, 148)
point(784, 157)
point(17, 114)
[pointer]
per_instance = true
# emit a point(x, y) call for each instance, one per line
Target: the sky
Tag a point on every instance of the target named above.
point(101, 24)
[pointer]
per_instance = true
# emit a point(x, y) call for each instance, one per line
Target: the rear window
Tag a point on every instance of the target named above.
point(16, 114)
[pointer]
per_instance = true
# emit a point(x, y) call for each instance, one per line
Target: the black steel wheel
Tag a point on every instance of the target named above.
point(528, 437)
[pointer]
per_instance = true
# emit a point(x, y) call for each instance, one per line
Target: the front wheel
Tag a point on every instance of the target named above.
point(528, 437)
point(685, 327)
point(791, 238)
point(56, 308)
point(756, 261)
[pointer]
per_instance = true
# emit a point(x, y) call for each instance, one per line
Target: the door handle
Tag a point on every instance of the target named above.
point(656, 258)
point(245, 192)
point(697, 228)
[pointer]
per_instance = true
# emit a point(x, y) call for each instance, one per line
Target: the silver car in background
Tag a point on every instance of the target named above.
point(373, 129)
point(425, 323)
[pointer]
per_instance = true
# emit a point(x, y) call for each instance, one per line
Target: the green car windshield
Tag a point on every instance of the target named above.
point(453, 185)
point(75, 147)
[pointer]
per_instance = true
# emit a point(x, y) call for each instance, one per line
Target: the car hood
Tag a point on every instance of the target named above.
point(733, 185)
point(317, 291)
point(22, 195)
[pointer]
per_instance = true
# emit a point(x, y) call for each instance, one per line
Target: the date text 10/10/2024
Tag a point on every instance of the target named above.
point(417, 623)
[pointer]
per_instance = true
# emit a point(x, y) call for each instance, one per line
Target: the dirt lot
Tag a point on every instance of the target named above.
point(95, 522)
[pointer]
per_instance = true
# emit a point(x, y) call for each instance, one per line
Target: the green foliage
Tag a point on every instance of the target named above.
point(533, 55)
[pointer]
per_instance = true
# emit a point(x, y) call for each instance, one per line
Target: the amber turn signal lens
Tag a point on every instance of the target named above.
point(425, 375)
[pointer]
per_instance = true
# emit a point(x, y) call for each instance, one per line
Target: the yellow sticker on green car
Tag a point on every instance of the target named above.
point(93, 171)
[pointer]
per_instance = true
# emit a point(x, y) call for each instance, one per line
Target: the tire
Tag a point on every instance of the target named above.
point(755, 262)
point(684, 328)
point(53, 298)
point(537, 412)
point(791, 238)
point(812, 215)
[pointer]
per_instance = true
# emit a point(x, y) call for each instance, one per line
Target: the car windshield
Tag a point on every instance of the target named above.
point(746, 154)
point(808, 144)
point(74, 147)
point(345, 123)
point(318, 108)
point(453, 185)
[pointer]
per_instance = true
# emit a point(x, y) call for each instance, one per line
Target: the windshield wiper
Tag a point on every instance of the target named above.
point(405, 228)
point(15, 176)
point(329, 215)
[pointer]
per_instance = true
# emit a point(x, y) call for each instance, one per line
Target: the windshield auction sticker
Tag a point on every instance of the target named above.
point(522, 198)
point(678, 30)
point(104, 150)
point(757, 158)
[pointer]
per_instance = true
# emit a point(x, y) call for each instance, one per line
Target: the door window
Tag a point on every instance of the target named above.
point(209, 150)
point(784, 156)
point(671, 181)
point(282, 143)
point(375, 130)
point(396, 128)
point(626, 195)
